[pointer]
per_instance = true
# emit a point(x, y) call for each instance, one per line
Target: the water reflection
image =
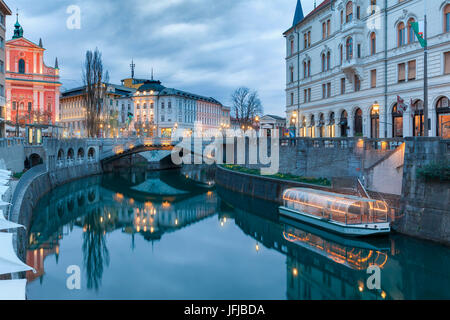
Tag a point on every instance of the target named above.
point(106, 216)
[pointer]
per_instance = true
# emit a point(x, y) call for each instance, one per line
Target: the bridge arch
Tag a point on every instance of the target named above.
point(91, 153)
point(70, 154)
point(80, 154)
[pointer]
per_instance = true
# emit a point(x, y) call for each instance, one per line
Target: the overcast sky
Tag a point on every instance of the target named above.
point(208, 47)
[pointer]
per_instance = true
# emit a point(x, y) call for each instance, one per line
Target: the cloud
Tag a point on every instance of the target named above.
point(209, 47)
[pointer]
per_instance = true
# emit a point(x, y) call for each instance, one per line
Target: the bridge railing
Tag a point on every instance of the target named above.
point(8, 142)
point(345, 143)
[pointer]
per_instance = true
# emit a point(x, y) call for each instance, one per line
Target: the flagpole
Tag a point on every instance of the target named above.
point(425, 81)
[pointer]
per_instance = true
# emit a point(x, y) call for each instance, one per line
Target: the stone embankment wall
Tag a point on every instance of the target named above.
point(33, 185)
point(13, 154)
point(425, 205)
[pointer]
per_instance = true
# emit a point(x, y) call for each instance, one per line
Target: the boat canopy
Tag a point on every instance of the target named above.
point(344, 208)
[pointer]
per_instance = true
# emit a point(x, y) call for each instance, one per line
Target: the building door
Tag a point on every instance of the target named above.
point(374, 124)
point(443, 118)
point(417, 109)
point(397, 123)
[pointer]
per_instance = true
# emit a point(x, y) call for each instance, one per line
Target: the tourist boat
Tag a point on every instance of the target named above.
point(339, 213)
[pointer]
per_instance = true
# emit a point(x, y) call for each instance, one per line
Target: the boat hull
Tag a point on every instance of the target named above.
point(359, 230)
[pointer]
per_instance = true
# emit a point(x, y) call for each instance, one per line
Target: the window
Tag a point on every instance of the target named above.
point(401, 72)
point(305, 95)
point(373, 78)
point(328, 89)
point(373, 43)
point(291, 69)
point(309, 39)
point(2, 66)
point(162, 105)
point(292, 47)
point(328, 60)
point(359, 50)
point(309, 95)
point(412, 70)
point(358, 123)
point(447, 62)
point(341, 54)
point(349, 48)
point(342, 18)
point(292, 98)
point(305, 43)
point(305, 71)
point(443, 118)
point(373, 6)
point(397, 122)
point(358, 12)
point(342, 85)
point(447, 18)
point(324, 30)
point(309, 68)
point(357, 83)
point(349, 12)
point(21, 66)
point(401, 34)
point(324, 90)
point(323, 62)
point(411, 34)
point(328, 27)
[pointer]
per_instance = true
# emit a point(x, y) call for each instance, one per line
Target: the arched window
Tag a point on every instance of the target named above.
point(373, 43)
point(418, 120)
point(21, 66)
point(328, 60)
point(309, 68)
point(401, 34)
point(304, 69)
point(375, 123)
point(411, 35)
point(447, 18)
point(349, 48)
point(321, 125)
point(349, 12)
point(344, 123)
point(358, 123)
point(397, 122)
point(341, 53)
point(323, 62)
point(443, 117)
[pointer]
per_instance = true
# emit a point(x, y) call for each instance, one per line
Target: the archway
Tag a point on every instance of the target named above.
point(374, 123)
point(331, 128)
point(70, 154)
point(60, 155)
point(312, 127)
point(358, 123)
point(321, 125)
point(443, 117)
point(397, 122)
point(418, 118)
point(80, 154)
point(35, 160)
point(91, 154)
point(344, 123)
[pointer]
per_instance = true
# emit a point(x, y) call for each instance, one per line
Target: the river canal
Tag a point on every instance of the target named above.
point(161, 235)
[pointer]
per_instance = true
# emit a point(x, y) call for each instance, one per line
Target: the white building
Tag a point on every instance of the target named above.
point(117, 104)
point(347, 61)
point(271, 124)
point(164, 112)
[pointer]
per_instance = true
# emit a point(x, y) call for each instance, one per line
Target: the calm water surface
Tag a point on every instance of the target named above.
point(140, 235)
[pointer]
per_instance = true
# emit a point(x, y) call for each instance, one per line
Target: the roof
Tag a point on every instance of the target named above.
point(154, 85)
point(274, 117)
point(119, 90)
point(298, 17)
point(4, 8)
point(321, 6)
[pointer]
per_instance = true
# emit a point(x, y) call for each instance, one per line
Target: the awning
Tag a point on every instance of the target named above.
point(6, 224)
point(9, 262)
point(12, 289)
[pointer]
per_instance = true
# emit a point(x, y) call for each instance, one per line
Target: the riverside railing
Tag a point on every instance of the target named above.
point(345, 143)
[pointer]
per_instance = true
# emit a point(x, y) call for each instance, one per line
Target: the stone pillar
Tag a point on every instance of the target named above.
point(408, 123)
point(383, 122)
point(434, 122)
point(351, 125)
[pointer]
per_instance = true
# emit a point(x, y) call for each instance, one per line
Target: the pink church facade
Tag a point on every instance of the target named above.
point(32, 88)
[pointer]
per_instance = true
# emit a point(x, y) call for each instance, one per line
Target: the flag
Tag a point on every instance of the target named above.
point(419, 34)
point(401, 106)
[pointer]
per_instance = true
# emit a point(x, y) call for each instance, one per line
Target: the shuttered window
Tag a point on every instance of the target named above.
point(401, 72)
point(373, 78)
point(447, 63)
point(412, 70)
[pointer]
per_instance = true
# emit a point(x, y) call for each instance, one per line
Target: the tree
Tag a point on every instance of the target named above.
point(95, 81)
point(246, 106)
